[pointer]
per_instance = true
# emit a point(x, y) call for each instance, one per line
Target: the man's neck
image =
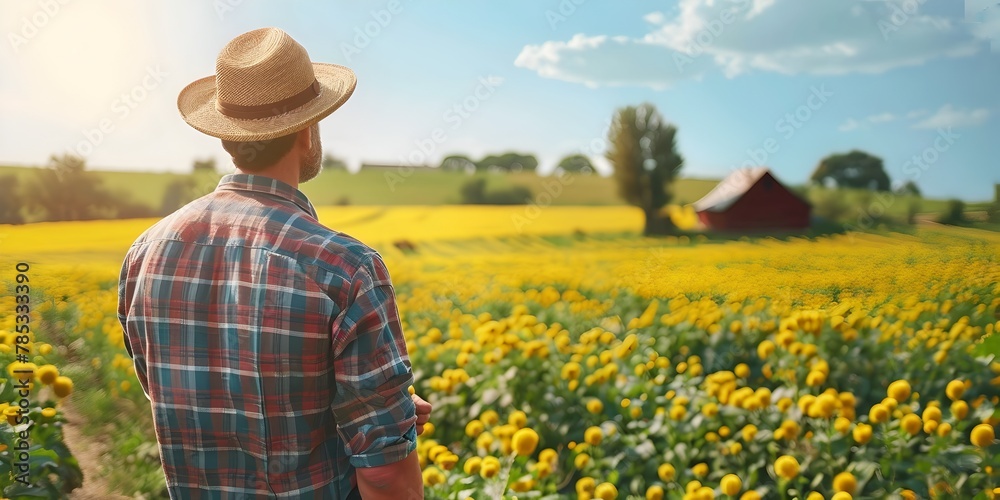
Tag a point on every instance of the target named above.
point(283, 171)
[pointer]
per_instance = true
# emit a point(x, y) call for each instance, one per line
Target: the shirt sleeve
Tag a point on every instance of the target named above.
point(375, 416)
point(126, 292)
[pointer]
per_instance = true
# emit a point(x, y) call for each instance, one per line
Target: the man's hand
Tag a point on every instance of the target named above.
point(423, 412)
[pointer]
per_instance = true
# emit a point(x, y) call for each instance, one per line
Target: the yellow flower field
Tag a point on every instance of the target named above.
point(569, 360)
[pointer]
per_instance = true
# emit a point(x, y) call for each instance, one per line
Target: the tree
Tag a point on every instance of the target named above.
point(206, 165)
point(331, 162)
point(856, 169)
point(458, 163)
point(508, 162)
point(909, 188)
point(10, 201)
point(643, 151)
point(954, 213)
point(177, 194)
point(576, 163)
point(64, 190)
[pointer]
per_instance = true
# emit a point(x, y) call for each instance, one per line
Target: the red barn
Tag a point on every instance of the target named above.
point(752, 199)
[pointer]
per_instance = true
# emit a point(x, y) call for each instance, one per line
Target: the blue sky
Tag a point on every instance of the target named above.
point(775, 82)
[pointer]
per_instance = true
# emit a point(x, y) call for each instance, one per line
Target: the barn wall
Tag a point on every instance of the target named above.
point(766, 205)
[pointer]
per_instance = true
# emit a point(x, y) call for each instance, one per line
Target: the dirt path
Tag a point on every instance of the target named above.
point(91, 454)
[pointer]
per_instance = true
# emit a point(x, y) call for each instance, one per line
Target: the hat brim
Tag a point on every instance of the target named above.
point(196, 103)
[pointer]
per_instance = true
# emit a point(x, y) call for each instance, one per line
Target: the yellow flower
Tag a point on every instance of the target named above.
point(786, 466)
point(742, 370)
point(955, 390)
point(49, 412)
point(710, 410)
point(472, 465)
point(524, 441)
point(518, 419)
point(765, 349)
point(862, 433)
point(595, 406)
point(484, 441)
point(593, 435)
point(677, 412)
point(490, 467)
point(474, 428)
point(842, 425)
point(983, 435)
point(490, 417)
point(731, 484)
point(654, 492)
point(750, 495)
point(959, 409)
point(548, 455)
point(878, 414)
point(606, 491)
point(700, 470)
point(47, 374)
point(911, 424)
point(944, 429)
point(433, 476)
point(585, 485)
point(749, 432)
point(843, 495)
point(666, 472)
point(815, 495)
point(581, 460)
point(845, 481)
point(63, 386)
point(932, 413)
point(543, 469)
point(899, 390)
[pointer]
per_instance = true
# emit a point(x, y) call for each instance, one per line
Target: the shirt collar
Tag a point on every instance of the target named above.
point(267, 185)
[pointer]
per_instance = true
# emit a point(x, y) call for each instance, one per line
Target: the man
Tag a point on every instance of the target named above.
point(268, 344)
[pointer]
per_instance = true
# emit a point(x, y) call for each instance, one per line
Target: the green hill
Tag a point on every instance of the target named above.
point(391, 186)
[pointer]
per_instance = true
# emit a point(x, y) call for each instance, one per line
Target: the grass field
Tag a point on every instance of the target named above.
point(394, 187)
point(387, 186)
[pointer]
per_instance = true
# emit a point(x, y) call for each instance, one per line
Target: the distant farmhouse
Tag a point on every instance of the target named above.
point(752, 199)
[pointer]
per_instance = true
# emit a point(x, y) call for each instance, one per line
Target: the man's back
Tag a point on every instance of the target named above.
point(258, 334)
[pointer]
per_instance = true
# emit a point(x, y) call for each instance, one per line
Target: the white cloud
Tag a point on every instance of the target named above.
point(849, 125)
point(882, 118)
point(820, 37)
point(948, 116)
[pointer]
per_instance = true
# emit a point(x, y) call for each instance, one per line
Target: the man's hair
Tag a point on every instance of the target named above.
point(258, 155)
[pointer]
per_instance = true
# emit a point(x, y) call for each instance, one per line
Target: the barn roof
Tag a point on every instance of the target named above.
point(729, 189)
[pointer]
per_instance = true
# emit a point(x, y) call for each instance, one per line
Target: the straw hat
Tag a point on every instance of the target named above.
point(265, 86)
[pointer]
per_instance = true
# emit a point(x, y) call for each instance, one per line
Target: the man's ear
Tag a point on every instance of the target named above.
point(304, 139)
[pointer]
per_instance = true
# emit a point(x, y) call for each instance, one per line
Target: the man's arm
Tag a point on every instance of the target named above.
point(375, 415)
point(387, 482)
point(126, 293)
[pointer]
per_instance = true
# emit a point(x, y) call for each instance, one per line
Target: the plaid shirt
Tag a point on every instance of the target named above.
point(268, 345)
